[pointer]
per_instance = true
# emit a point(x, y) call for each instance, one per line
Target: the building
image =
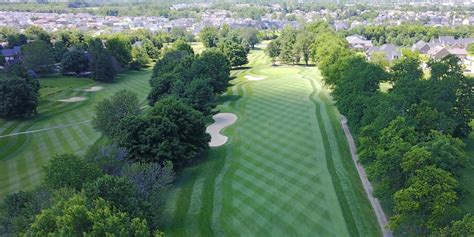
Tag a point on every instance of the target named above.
point(390, 51)
point(359, 42)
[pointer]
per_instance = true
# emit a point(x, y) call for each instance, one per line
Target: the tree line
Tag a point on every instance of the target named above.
point(408, 34)
point(409, 138)
point(77, 53)
point(118, 186)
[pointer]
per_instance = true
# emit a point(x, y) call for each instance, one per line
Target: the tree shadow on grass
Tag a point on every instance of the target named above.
point(227, 98)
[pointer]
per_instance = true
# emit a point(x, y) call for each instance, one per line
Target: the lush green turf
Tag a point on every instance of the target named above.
point(22, 156)
point(286, 170)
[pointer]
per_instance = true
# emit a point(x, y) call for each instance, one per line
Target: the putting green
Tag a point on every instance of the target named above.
point(59, 127)
point(285, 171)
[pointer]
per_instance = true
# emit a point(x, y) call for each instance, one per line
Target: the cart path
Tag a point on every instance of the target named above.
point(381, 218)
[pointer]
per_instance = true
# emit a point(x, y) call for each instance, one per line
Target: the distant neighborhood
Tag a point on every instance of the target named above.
point(435, 49)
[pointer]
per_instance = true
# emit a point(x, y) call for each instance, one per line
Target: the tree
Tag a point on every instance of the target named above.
point(118, 191)
point(149, 138)
point(74, 217)
point(191, 126)
point(18, 210)
point(172, 130)
point(38, 56)
point(37, 33)
point(110, 111)
point(102, 67)
point(214, 65)
point(427, 203)
point(273, 50)
point(60, 49)
point(199, 94)
point(120, 49)
point(380, 59)
point(287, 43)
point(162, 85)
point(68, 170)
point(181, 45)
point(150, 179)
point(209, 36)
point(16, 39)
point(303, 43)
point(463, 227)
point(111, 159)
point(75, 61)
point(235, 53)
point(470, 48)
point(18, 97)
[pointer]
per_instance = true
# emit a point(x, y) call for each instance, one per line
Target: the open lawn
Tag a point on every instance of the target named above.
point(285, 171)
point(59, 127)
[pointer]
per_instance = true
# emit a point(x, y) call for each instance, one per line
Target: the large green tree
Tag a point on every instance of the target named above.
point(120, 48)
point(74, 217)
point(209, 36)
point(69, 171)
point(18, 97)
point(111, 110)
point(38, 56)
point(427, 203)
point(75, 61)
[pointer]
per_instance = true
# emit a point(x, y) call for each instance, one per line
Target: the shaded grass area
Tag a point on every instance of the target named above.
point(22, 156)
point(286, 170)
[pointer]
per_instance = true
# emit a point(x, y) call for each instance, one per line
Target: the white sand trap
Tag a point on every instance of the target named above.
point(94, 89)
point(222, 120)
point(252, 78)
point(74, 99)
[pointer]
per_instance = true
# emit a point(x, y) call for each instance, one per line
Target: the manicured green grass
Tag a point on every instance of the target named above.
point(286, 170)
point(198, 47)
point(22, 156)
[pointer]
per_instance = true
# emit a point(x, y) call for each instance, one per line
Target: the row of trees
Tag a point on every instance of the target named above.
point(409, 34)
point(195, 79)
point(408, 137)
point(234, 43)
point(99, 194)
point(293, 45)
point(77, 53)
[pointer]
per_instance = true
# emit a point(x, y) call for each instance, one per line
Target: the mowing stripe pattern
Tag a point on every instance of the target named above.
point(285, 170)
point(58, 128)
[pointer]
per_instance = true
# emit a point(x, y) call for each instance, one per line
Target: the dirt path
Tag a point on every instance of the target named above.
point(381, 218)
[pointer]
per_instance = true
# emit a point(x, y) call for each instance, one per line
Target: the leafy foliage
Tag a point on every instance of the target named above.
point(69, 171)
point(111, 110)
point(75, 61)
point(18, 97)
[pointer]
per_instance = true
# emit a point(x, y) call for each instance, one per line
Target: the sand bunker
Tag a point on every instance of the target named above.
point(252, 78)
point(74, 99)
point(94, 89)
point(222, 120)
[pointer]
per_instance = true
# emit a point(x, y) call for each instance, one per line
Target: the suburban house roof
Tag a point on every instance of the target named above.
point(358, 41)
point(390, 50)
point(11, 52)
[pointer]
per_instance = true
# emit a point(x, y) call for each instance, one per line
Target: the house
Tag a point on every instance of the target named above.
point(340, 25)
point(421, 46)
point(458, 52)
point(390, 51)
point(438, 52)
point(358, 42)
point(11, 56)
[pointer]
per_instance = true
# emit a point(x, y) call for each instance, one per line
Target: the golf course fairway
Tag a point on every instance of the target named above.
point(62, 125)
point(285, 170)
